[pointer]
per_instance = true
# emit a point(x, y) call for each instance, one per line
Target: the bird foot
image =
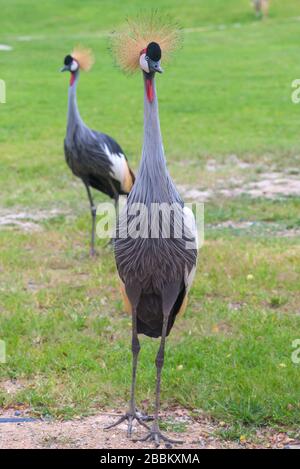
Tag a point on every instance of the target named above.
point(157, 437)
point(130, 417)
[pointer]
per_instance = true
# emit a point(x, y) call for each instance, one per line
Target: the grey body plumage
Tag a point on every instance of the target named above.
point(152, 265)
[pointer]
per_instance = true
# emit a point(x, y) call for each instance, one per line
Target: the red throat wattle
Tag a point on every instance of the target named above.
point(149, 89)
point(72, 79)
point(149, 83)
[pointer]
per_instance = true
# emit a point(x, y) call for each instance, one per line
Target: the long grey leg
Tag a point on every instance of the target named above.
point(135, 348)
point(155, 433)
point(116, 198)
point(159, 362)
point(116, 203)
point(133, 293)
point(93, 213)
point(169, 298)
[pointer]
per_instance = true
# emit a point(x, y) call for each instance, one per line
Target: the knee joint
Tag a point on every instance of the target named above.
point(159, 362)
point(135, 346)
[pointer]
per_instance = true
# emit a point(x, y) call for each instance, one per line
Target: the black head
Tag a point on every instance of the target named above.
point(70, 64)
point(150, 58)
point(68, 60)
point(153, 51)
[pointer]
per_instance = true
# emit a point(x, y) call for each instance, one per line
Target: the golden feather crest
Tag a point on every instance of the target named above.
point(154, 27)
point(84, 57)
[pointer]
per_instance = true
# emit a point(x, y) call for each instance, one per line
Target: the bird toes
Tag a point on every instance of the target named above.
point(130, 417)
point(157, 438)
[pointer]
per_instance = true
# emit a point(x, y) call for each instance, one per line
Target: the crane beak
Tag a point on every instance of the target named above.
point(64, 69)
point(154, 66)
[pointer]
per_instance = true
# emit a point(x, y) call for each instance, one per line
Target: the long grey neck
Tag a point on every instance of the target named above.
point(73, 113)
point(153, 157)
point(153, 183)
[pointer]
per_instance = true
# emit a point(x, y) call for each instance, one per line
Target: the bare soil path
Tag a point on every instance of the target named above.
point(89, 433)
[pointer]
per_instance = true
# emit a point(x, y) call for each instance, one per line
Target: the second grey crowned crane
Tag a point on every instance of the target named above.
point(94, 157)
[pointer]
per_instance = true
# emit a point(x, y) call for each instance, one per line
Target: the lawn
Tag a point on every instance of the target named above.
point(226, 98)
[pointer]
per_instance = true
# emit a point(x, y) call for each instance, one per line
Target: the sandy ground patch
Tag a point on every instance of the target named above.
point(11, 386)
point(88, 433)
point(270, 185)
point(27, 220)
point(256, 228)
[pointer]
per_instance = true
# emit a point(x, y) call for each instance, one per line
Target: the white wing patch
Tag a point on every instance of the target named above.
point(190, 226)
point(119, 165)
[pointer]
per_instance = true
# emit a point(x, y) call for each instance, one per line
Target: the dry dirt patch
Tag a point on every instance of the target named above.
point(270, 185)
point(89, 433)
point(12, 386)
point(27, 220)
point(256, 228)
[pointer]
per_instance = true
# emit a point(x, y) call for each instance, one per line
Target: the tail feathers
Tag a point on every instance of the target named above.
point(149, 311)
point(150, 316)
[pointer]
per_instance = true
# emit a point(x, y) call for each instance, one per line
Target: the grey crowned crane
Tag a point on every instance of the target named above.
point(156, 271)
point(94, 157)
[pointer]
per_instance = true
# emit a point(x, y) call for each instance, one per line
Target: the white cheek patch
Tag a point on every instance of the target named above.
point(74, 66)
point(144, 64)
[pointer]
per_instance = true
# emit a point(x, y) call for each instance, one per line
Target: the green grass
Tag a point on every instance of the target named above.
point(226, 92)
